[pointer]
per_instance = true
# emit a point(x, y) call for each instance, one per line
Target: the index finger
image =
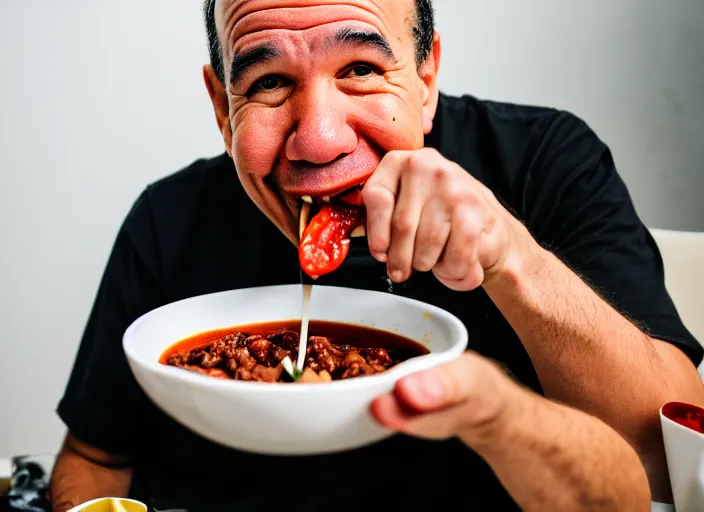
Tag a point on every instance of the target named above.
point(379, 196)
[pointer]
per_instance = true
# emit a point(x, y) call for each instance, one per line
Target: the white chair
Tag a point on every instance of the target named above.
point(683, 258)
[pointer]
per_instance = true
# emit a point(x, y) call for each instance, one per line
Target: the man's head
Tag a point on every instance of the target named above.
point(310, 95)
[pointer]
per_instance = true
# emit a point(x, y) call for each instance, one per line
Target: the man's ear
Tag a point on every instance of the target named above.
point(218, 96)
point(428, 72)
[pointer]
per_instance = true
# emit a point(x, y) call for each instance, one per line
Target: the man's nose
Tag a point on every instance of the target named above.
point(321, 133)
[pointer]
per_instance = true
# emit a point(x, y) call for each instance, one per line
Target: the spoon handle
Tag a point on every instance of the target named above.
point(305, 278)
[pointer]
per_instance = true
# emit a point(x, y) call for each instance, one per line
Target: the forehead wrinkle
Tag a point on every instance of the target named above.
point(294, 5)
point(229, 14)
point(260, 49)
point(237, 14)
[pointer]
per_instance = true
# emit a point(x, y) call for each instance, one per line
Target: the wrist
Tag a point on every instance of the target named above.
point(510, 430)
point(498, 406)
point(524, 259)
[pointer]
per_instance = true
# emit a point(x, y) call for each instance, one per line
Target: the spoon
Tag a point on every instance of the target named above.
point(307, 285)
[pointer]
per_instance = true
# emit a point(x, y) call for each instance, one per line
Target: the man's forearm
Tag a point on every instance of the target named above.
point(574, 461)
point(76, 480)
point(589, 356)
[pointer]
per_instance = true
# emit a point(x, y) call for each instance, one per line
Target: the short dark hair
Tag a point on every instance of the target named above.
point(423, 30)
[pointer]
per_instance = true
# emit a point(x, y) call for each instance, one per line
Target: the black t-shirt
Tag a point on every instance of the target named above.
point(197, 232)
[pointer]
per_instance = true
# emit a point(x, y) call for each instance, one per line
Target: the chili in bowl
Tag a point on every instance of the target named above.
point(217, 363)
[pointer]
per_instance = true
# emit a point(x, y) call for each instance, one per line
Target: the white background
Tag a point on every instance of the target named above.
point(97, 99)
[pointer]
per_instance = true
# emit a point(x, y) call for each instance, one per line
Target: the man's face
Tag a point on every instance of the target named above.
point(315, 93)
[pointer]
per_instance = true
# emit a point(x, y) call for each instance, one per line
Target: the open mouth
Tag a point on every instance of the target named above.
point(310, 206)
point(326, 224)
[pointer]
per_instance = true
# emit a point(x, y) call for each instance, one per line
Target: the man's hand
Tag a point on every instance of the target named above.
point(470, 398)
point(548, 456)
point(426, 213)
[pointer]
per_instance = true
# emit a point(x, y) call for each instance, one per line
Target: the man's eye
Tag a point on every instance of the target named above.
point(268, 83)
point(361, 70)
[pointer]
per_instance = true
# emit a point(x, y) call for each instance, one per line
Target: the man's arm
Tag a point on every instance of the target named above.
point(589, 324)
point(548, 456)
point(589, 356)
point(568, 460)
point(83, 473)
point(426, 213)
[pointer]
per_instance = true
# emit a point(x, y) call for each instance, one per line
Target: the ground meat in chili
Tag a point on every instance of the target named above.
point(257, 357)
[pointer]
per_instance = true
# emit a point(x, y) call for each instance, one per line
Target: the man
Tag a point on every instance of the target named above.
point(513, 218)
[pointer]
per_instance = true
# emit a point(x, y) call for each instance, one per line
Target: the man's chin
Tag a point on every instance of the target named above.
point(276, 207)
point(286, 220)
point(288, 228)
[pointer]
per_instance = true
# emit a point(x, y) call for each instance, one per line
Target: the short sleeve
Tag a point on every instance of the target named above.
point(102, 403)
point(577, 206)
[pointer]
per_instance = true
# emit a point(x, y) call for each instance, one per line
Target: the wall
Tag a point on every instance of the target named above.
point(633, 69)
point(99, 98)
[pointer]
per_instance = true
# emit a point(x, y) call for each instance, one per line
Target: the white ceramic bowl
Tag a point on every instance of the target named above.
point(283, 418)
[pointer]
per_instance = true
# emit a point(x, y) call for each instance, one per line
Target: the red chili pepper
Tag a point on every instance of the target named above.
point(325, 242)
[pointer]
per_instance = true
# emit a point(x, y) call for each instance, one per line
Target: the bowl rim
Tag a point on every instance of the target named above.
point(457, 329)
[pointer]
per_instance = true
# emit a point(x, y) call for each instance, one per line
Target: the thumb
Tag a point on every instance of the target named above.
point(466, 397)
